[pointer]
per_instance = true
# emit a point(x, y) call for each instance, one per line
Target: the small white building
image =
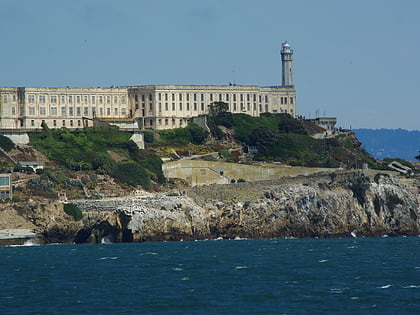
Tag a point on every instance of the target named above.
point(35, 165)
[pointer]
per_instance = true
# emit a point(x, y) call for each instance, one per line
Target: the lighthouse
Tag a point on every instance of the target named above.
point(286, 61)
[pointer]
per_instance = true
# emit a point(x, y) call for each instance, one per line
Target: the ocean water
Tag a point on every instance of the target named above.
point(274, 276)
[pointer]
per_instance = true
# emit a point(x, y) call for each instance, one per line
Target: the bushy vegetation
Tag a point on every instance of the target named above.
point(74, 211)
point(6, 144)
point(88, 149)
point(131, 173)
point(182, 136)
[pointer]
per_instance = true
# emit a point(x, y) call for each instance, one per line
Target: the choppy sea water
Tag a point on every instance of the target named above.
point(275, 276)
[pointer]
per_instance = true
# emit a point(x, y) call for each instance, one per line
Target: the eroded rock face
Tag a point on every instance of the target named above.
point(316, 206)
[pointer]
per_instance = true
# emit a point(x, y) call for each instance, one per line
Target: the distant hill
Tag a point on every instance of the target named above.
point(390, 143)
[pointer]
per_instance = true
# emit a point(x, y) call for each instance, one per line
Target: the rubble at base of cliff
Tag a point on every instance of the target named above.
point(306, 206)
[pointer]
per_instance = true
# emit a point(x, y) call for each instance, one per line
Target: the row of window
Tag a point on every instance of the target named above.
point(74, 111)
point(6, 98)
point(213, 97)
point(63, 123)
point(232, 107)
point(77, 99)
point(283, 100)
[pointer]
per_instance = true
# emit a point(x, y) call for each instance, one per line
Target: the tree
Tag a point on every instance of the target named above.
point(418, 157)
point(216, 108)
point(262, 137)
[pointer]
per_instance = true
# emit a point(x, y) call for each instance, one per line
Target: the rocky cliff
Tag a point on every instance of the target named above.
point(322, 205)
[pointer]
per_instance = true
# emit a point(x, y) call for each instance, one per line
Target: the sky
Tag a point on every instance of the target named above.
point(355, 60)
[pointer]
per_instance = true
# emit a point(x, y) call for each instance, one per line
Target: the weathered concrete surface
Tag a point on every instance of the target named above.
point(198, 173)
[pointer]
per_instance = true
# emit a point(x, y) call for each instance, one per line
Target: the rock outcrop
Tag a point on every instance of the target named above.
point(322, 205)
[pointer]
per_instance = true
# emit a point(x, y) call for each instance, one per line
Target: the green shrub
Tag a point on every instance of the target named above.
point(148, 136)
point(132, 174)
point(74, 211)
point(6, 143)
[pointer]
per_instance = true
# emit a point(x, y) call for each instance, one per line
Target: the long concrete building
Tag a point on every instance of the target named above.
point(141, 107)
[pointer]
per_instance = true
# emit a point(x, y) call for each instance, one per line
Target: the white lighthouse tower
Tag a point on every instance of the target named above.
point(286, 61)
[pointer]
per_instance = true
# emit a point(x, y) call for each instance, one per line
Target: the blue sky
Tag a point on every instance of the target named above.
point(355, 60)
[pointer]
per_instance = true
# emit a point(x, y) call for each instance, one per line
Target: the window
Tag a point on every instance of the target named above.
point(242, 97)
point(195, 97)
point(42, 98)
point(123, 111)
point(63, 99)
point(101, 99)
point(234, 97)
point(78, 111)
point(180, 106)
point(166, 122)
point(14, 98)
point(54, 111)
point(247, 97)
point(42, 111)
point(173, 122)
point(101, 111)
point(220, 97)
point(173, 106)
point(202, 97)
point(142, 98)
point(78, 99)
point(202, 107)
point(55, 123)
point(71, 123)
point(53, 99)
point(150, 106)
point(160, 122)
point(266, 99)
point(31, 110)
point(71, 111)
point(255, 97)
point(166, 96)
point(211, 97)
point(188, 106)
point(188, 97)
point(115, 99)
point(78, 123)
point(180, 96)
point(195, 106)
point(64, 123)
point(227, 97)
point(32, 123)
point(173, 96)
point(108, 99)
point(70, 99)
point(151, 122)
point(5, 98)
point(63, 111)
point(108, 111)
point(248, 107)
point(159, 96)
point(291, 100)
point(116, 111)
point(93, 99)
point(123, 100)
point(234, 107)
point(85, 99)
point(86, 111)
point(31, 98)
point(13, 111)
point(166, 106)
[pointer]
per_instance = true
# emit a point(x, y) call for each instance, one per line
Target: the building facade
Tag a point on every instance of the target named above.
point(144, 107)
